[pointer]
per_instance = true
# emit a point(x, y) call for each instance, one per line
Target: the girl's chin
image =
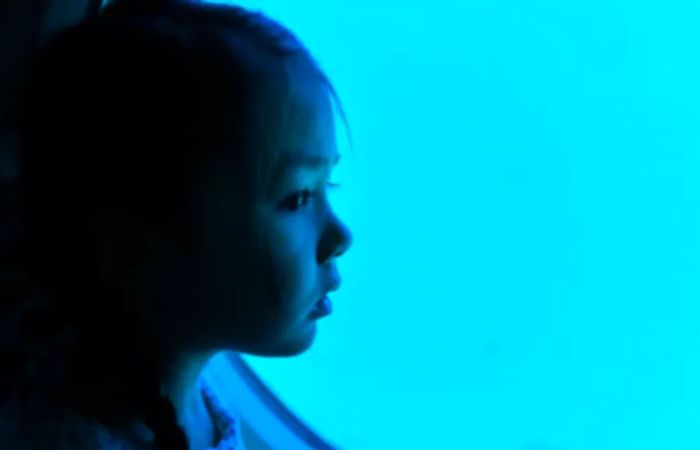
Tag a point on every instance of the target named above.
point(292, 345)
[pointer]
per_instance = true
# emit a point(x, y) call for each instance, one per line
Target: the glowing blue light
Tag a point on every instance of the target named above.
point(525, 200)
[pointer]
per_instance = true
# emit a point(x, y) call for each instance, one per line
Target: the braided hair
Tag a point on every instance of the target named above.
point(133, 93)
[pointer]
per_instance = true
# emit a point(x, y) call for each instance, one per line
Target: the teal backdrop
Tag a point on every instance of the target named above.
point(524, 194)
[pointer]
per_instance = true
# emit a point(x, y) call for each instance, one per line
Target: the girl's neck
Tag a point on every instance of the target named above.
point(180, 384)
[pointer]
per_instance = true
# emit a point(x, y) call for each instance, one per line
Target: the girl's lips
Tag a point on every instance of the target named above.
point(322, 308)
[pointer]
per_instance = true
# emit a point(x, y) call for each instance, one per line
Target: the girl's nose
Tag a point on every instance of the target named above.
point(337, 239)
point(345, 239)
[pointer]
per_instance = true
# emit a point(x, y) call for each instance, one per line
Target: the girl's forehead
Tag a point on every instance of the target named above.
point(295, 104)
point(294, 121)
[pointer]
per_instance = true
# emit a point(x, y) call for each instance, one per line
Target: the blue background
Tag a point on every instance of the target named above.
point(524, 196)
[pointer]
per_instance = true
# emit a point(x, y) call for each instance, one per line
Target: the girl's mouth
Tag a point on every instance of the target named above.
point(322, 308)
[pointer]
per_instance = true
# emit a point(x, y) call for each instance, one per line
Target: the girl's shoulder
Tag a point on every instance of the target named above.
point(35, 425)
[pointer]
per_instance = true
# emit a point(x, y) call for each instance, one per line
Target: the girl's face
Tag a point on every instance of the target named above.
point(264, 258)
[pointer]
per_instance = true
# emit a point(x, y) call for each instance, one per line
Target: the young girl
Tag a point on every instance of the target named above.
point(175, 158)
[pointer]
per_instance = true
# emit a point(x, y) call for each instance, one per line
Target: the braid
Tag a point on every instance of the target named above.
point(146, 401)
point(161, 418)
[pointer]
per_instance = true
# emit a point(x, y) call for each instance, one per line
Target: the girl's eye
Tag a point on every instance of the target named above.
point(297, 200)
point(300, 198)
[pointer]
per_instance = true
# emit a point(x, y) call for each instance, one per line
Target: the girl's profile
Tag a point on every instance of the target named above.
point(175, 158)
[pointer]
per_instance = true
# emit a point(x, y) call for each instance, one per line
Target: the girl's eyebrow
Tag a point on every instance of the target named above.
point(306, 160)
point(289, 162)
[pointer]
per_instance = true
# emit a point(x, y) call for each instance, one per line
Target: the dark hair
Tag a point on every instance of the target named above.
point(119, 113)
point(123, 109)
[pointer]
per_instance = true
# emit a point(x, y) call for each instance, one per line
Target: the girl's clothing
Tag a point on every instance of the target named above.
point(226, 421)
